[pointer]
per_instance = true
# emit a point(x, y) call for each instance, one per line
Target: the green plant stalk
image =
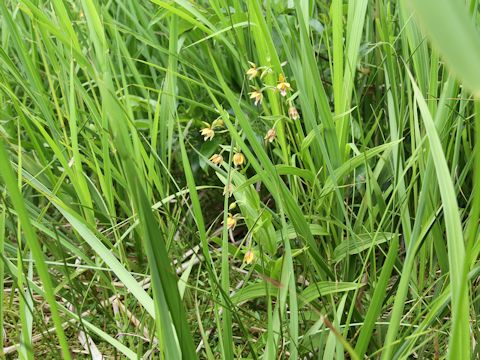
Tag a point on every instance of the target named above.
point(355, 24)
point(171, 320)
point(227, 336)
point(377, 301)
point(34, 244)
point(2, 272)
point(472, 237)
point(336, 10)
point(459, 341)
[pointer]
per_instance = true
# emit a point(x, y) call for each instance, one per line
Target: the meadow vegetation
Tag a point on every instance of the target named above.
point(239, 179)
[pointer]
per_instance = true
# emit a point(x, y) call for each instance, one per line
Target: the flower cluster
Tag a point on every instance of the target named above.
point(283, 86)
point(263, 82)
point(208, 132)
point(257, 94)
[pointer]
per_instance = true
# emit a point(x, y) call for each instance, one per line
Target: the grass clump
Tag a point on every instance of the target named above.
point(239, 179)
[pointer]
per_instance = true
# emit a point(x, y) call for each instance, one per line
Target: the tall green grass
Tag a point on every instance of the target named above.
point(353, 233)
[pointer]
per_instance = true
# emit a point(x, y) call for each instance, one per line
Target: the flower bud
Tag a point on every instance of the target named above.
point(293, 113)
point(238, 159)
point(271, 135)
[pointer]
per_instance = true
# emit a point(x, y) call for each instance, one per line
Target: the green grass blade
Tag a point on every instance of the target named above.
point(10, 181)
point(454, 34)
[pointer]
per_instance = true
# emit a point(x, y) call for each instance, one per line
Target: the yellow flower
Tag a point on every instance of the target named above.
point(238, 159)
point(293, 113)
point(249, 257)
point(283, 85)
point(231, 222)
point(271, 135)
point(216, 159)
point(252, 71)
point(257, 95)
point(208, 133)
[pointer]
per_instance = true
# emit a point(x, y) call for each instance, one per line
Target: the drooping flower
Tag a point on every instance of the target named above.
point(283, 85)
point(257, 95)
point(208, 133)
point(293, 113)
point(252, 71)
point(249, 257)
point(231, 222)
point(238, 159)
point(228, 189)
point(271, 135)
point(216, 159)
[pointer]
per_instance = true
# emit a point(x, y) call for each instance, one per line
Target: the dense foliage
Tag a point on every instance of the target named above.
point(238, 179)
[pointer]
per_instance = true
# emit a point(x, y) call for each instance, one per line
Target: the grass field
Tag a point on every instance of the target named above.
point(239, 179)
